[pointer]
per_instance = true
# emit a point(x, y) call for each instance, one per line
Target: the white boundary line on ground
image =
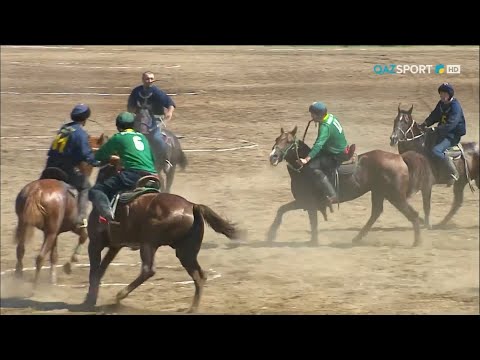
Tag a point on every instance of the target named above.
point(82, 93)
point(248, 144)
point(216, 275)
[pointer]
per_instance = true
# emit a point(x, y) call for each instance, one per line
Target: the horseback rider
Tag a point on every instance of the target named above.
point(329, 150)
point(69, 148)
point(449, 114)
point(162, 108)
point(137, 161)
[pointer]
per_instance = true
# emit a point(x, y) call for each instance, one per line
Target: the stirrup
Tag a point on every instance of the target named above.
point(83, 224)
point(168, 165)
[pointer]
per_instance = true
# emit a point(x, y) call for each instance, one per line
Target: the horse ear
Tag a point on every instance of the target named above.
point(294, 131)
point(410, 111)
point(281, 131)
point(399, 108)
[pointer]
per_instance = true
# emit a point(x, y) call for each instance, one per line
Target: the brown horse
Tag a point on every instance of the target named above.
point(146, 220)
point(50, 205)
point(386, 175)
point(410, 137)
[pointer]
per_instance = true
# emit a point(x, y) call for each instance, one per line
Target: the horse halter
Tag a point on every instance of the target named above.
point(284, 153)
point(402, 116)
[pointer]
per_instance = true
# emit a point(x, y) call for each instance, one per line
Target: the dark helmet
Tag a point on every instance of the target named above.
point(125, 120)
point(446, 87)
point(80, 112)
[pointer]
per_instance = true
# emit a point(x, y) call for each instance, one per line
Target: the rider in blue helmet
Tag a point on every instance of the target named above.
point(69, 148)
point(449, 115)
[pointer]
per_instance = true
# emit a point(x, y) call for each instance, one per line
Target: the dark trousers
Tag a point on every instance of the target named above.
point(102, 194)
point(77, 180)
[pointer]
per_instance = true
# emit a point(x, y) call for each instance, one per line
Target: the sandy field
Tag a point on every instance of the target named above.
point(243, 96)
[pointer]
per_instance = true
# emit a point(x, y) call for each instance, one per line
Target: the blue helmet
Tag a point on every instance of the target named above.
point(317, 107)
point(446, 87)
point(80, 112)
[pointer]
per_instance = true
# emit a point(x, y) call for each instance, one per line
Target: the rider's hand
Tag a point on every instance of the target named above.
point(303, 161)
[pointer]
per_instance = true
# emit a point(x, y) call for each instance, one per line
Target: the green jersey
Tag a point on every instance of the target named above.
point(331, 137)
point(132, 148)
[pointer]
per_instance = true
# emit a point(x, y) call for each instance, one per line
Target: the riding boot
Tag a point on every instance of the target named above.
point(328, 189)
point(102, 205)
point(451, 168)
point(82, 208)
point(323, 184)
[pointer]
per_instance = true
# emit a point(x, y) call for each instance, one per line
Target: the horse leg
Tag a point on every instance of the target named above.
point(22, 232)
point(97, 265)
point(147, 254)
point(426, 197)
point(313, 218)
point(49, 241)
point(377, 209)
point(406, 209)
point(272, 232)
point(53, 263)
point(170, 176)
point(458, 188)
point(83, 236)
point(188, 259)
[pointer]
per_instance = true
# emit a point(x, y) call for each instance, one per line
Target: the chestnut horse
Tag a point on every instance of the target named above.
point(50, 205)
point(386, 175)
point(147, 221)
point(409, 137)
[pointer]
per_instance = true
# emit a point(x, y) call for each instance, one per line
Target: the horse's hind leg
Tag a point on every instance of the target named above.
point(313, 218)
point(22, 232)
point(188, 258)
point(272, 232)
point(377, 209)
point(48, 244)
point(457, 201)
point(147, 253)
point(53, 263)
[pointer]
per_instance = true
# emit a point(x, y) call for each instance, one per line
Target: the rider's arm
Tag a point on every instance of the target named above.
point(106, 150)
point(321, 140)
point(434, 116)
point(85, 149)
point(452, 120)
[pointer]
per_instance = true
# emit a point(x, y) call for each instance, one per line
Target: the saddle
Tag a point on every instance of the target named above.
point(347, 166)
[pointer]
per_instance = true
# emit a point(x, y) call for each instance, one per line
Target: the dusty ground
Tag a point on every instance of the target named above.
point(246, 93)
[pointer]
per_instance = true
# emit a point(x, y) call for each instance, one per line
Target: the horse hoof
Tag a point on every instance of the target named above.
point(67, 268)
point(74, 258)
point(121, 295)
point(19, 274)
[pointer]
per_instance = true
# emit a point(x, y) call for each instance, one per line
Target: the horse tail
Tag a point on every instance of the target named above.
point(217, 223)
point(419, 172)
point(30, 213)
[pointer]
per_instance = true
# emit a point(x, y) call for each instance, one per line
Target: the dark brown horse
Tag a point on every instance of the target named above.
point(410, 137)
point(147, 221)
point(50, 205)
point(386, 175)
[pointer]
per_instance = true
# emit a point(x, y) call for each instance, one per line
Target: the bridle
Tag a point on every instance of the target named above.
point(405, 133)
point(284, 152)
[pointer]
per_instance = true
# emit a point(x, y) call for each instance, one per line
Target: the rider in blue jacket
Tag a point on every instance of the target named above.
point(162, 107)
point(449, 114)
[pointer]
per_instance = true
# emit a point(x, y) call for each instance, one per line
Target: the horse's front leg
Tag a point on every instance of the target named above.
point(312, 216)
point(272, 232)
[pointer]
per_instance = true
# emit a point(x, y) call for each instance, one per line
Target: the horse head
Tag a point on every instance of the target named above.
point(144, 119)
point(284, 143)
point(402, 126)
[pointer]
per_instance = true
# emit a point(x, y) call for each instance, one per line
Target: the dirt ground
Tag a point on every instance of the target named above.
point(246, 94)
